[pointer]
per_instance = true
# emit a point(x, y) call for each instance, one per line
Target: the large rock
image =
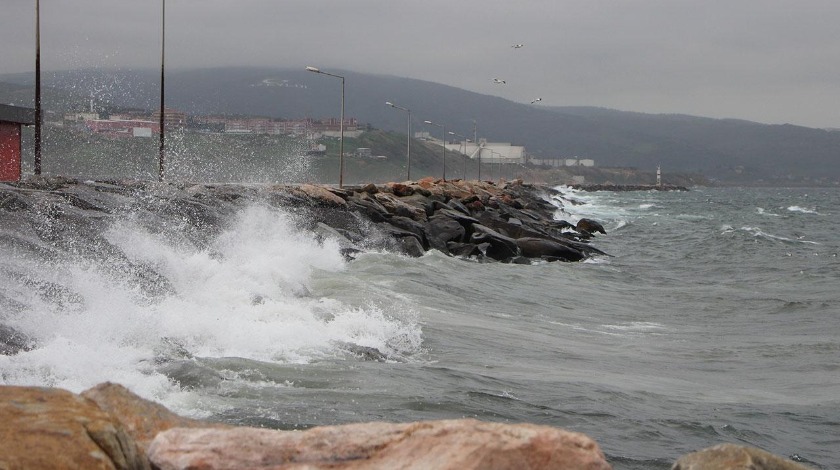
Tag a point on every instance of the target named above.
point(501, 247)
point(13, 341)
point(453, 444)
point(548, 249)
point(734, 457)
point(43, 428)
point(142, 419)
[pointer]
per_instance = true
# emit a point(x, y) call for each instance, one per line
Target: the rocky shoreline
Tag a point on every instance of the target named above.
point(108, 427)
point(513, 222)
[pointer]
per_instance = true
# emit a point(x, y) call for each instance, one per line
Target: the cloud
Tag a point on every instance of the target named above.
point(765, 60)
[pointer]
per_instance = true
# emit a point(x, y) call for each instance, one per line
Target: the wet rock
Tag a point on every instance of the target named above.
point(590, 226)
point(13, 341)
point(401, 190)
point(735, 457)
point(142, 419)
point(395, 206)
point(45, 428)
point(442, 229)
point(501, 248)
point(542, 248)
point(464, 250)
point(322, 195)
point(444, 445)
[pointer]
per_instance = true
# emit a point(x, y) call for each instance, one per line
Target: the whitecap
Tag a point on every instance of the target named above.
point(803, 210)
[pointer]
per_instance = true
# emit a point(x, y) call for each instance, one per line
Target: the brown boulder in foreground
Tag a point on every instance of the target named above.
point(46, 428)
point(450, 444)
point(142, 419)
point(734, 457)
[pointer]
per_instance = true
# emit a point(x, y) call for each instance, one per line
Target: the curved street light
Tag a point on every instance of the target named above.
point(408, 140)
point(442, 144)
point(309, 68)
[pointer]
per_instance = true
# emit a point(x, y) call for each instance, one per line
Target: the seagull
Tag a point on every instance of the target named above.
point(499, 80)
point(535, 100)
point(518, 46)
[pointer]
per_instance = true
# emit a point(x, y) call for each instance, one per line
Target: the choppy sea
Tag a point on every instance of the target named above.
point(716, 319)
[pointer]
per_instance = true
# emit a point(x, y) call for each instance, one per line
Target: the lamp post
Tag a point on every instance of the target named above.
point(162, 147)
point(37, 87)
point(442, 144)
point(408, 141)
point(464, 152)
point(341, 125)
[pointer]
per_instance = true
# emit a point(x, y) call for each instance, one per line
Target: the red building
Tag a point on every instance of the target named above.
point(11, 118)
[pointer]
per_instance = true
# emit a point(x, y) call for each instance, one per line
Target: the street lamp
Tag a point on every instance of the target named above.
point(442, 144)
point(341, 126)
point(161, 144)
point(464, 152)
point(37, 87)
point(408, 140)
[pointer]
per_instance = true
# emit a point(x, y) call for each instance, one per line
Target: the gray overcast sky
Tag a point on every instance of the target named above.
point(772, 61)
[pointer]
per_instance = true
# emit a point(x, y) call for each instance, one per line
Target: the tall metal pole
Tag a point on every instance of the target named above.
point(408, 149)
point(443, 153)
point(162, 149)
point(341, 125)
point(480, 150)
point(341, 141)
point(37, 87)
point(407, 140)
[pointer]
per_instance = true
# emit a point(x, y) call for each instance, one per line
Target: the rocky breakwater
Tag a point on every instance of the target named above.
point(108, 427)
point(513, 222)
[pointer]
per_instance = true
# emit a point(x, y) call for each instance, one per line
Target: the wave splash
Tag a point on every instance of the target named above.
point(149, 296)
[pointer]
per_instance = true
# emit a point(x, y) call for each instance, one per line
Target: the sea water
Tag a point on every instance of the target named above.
point(716, 318)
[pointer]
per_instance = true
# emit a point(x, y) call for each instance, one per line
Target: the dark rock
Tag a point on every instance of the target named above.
point(464, 250)
point(421, 201)
point(501, 247)
point(542, 248)
point(590, 226)
point(369, 188)
point(13, 341)
point(442, 229)
point(12, 202)
point(411, 246)
point(410, 225)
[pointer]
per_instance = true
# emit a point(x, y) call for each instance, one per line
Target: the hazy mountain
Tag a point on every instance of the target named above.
point(729, 149)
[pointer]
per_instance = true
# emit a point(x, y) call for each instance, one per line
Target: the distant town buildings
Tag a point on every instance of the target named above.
point(560, 162)
point(138, 123)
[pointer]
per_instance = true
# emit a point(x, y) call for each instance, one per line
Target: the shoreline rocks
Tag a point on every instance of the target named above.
point(109, 427)
point(471, 219)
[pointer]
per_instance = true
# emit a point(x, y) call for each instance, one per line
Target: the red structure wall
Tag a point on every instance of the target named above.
point(9, 151)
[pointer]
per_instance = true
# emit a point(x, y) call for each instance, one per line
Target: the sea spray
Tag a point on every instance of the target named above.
point(246, 294)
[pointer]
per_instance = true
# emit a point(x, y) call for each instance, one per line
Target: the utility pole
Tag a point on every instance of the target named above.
point(37, 87)
point(162, 150)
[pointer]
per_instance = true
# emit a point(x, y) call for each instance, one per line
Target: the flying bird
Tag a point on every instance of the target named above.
point(499, 80)
point(518, 46)
point(535, 100)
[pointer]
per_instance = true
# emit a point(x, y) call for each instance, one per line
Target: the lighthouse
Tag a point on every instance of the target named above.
point(658, 176)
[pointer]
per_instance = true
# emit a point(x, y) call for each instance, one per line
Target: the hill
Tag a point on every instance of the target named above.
point(729, 150)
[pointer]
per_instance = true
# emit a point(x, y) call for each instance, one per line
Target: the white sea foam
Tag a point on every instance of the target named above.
point(803, 210)
point(761, 211)
point(247, 295)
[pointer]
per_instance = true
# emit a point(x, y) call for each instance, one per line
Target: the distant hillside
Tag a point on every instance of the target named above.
point(726, 149)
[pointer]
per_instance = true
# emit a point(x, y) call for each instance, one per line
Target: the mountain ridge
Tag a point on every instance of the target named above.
point(726, 149)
